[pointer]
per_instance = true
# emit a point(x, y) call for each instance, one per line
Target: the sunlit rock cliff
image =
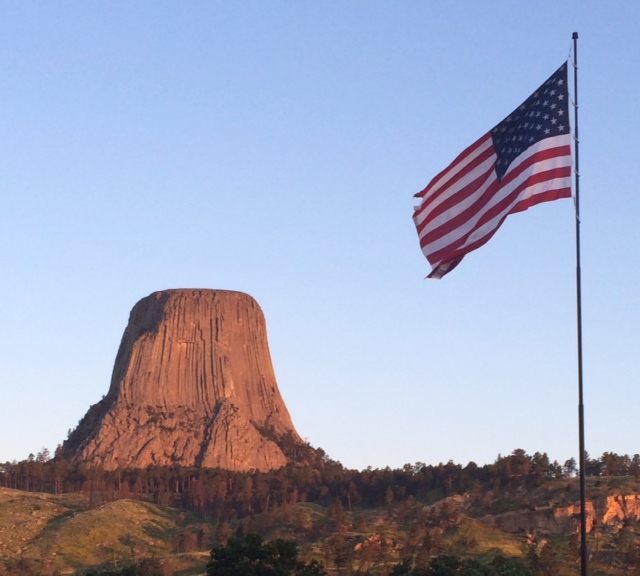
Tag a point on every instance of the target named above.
point(193, 385)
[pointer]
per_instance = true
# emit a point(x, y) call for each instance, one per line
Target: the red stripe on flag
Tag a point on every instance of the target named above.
point(460, 246)
point(461, 160)
point(456, 199)
point(490, 204)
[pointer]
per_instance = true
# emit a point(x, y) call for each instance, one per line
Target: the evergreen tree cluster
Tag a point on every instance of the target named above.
point(227, 495)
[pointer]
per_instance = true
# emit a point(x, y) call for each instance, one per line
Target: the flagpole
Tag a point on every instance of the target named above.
point(584, 556)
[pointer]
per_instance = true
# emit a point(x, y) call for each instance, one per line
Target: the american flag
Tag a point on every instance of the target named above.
point(523, 161)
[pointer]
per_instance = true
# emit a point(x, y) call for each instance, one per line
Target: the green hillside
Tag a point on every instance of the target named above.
point(60, 534)
point(352, 521)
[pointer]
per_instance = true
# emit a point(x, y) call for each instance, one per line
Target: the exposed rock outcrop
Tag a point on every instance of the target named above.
point(193, 384)
point(606, 513)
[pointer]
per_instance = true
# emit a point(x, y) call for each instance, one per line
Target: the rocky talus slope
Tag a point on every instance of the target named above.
point(193, 385)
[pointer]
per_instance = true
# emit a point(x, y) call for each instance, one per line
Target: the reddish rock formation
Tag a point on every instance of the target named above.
point(610, 513)
point(192, 384)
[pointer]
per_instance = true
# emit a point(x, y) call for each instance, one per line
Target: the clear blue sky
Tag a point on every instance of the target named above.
point(274, 148)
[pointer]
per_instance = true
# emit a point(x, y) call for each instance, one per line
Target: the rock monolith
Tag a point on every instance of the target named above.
point(192, 385)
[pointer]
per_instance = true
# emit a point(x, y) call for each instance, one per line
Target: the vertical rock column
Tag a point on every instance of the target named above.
point(193, 384)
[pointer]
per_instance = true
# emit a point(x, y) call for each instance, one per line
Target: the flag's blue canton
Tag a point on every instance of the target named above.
point(544, 114)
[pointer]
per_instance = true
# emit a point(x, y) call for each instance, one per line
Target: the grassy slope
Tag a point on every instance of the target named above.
point(62, 533)
point(24, 516)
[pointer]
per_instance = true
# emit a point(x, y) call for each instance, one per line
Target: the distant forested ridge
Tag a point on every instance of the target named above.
point(227, 495)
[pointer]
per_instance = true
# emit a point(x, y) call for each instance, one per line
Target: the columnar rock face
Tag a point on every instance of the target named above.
point(193, 385)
